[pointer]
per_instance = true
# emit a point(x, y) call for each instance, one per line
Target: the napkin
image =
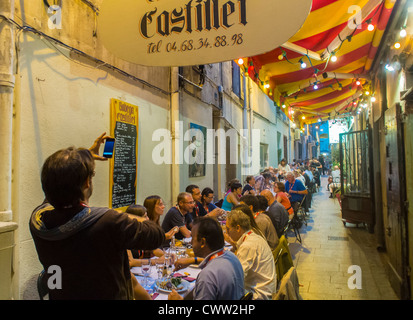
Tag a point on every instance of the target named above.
point(155, 295)
point(189, 279)
point(176, 274)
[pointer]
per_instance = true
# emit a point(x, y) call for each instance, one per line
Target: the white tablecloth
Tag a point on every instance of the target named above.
point(190, 271)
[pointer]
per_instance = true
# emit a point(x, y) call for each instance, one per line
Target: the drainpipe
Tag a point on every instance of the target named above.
point(177, 132)
point(251, 148)
point(245, 146)
point(7, 81)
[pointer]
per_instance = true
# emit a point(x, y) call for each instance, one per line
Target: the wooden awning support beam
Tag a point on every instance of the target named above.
point(301, 50)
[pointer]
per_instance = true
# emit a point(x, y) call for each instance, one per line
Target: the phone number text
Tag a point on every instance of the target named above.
point(191, 45)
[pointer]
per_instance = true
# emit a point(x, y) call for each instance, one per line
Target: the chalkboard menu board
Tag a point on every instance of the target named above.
point(124, 127)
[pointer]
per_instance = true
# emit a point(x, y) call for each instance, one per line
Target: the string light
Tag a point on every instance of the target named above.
point(303, 64)
point(283, 106)
point(240, 61)
point(373, 99)
point(397, 45)
point(403, 33)
point(358, 82)
point(333, 58)
point(370, 27)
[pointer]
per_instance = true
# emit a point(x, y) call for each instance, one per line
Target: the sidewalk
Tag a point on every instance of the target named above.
point(329, 248)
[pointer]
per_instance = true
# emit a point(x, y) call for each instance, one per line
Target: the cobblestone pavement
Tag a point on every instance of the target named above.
point(329, 249)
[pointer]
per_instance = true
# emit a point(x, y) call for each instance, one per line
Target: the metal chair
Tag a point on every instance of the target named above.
point(301, 214)
point(295, 225)
point(42, 288)
point(298, 220)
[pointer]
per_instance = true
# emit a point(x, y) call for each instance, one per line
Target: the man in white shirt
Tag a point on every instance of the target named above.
point(255, 256)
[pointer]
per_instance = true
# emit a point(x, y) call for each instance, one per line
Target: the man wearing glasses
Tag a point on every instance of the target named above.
point(199, 210)
point(175, 217)
point(255, 256)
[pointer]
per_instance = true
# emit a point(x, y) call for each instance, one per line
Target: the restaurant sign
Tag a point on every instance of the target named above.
point(192, 32)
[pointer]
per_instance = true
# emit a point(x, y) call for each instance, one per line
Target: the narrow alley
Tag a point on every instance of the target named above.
point(327, 251)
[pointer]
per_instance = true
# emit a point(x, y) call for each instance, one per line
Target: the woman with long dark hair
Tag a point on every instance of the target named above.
point(155, 206)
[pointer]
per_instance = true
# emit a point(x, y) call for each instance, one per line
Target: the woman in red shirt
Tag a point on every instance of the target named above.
point(282, 197)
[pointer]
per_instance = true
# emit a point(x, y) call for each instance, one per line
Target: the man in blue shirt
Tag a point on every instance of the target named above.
point(296, 190)
point(222, 276)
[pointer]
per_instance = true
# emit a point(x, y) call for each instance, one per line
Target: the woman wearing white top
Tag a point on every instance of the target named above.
point(283, 168)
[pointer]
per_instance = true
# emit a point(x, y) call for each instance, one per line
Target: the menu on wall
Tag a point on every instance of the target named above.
point(124, 128)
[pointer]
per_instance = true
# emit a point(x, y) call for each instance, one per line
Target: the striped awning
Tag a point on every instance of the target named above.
point(303, 77)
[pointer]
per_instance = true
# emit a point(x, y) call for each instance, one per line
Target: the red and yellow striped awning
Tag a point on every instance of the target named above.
point(334, 28)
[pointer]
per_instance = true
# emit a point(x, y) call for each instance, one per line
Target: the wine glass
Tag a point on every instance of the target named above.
point(146, 268)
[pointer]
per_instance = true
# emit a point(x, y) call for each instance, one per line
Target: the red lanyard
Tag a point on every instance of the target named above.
point(216, 255)
point(243, 239)
point(291, 187)
point(256, 215)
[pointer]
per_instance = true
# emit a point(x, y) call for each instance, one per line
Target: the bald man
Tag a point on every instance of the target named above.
point(276, 211)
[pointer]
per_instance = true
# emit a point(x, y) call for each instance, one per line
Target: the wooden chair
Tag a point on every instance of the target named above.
point(247, 296)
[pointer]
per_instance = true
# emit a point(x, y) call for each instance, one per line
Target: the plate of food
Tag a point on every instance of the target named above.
point(176, 283)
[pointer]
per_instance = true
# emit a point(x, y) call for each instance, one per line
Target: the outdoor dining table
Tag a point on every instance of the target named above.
point(188, 274)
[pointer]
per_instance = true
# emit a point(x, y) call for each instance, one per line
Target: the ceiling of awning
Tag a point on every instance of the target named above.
point(333, 28)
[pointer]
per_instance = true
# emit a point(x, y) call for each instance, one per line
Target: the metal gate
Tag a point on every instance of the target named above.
point(356, 178)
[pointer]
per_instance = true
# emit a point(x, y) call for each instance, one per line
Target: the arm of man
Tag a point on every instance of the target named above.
point(300, 188)
point(216, 212)
point(185, 232)
point(132, 234)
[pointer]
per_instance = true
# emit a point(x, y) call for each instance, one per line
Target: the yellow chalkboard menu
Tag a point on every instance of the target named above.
point(124, 164)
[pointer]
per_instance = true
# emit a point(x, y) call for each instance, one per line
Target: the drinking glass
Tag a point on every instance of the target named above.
point(169, 269)
point(159, 268)
point(146, 268)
